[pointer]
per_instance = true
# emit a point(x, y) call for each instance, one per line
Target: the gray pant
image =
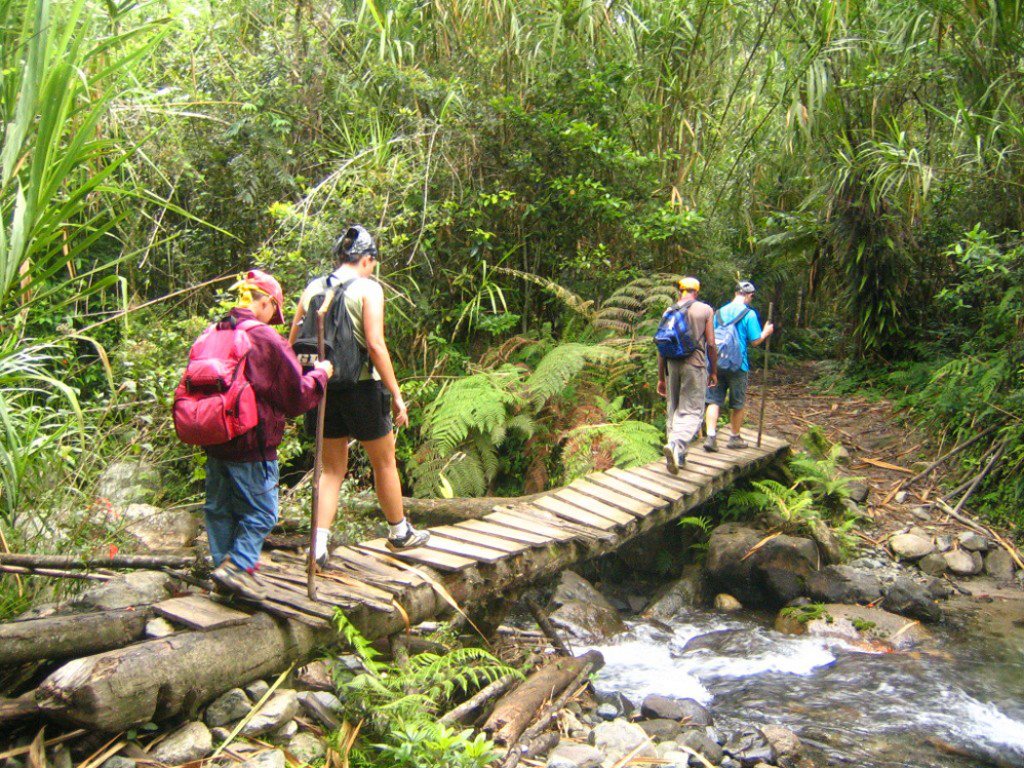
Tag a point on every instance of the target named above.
point(686, 385)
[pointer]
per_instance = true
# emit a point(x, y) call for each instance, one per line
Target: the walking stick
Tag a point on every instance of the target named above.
point(764, 378)
point(318, 458)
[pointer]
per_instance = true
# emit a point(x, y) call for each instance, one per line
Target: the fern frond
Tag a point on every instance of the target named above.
point(560, 366)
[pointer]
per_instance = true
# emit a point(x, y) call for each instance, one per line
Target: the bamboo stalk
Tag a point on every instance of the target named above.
point(71, 562)
point(764, 378)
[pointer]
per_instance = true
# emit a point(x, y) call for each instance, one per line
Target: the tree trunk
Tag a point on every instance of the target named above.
point(64, 637)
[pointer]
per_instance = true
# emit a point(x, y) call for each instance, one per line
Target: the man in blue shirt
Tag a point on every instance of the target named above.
point(748, 331)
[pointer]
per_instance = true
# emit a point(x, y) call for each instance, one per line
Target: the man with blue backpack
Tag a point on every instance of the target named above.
point(687, 365)
point(736, 326)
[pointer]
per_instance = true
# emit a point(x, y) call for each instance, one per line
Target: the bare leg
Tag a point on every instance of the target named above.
point(335, 467)
point(736, 420)
point(385, 476)
point(711, 419)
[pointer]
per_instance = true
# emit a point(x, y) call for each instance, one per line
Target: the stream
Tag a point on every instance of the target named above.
point(959, 704)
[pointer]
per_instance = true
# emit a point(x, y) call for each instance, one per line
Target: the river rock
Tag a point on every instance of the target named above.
point(619, 738)
point(271, 758)
point(322, 706)
point(908, 598)
point(933, 564)
point(750, 747)
point(843, 584)
point(257, 689)
point(999, 565)
point(136, 588)
point(974, 542)
point(570, 725)
point(674, 758)
point(128, 482)
point(569, 755)
point(910, 546)
point(159, 627)
point(685, 592)
point(284, 734)
point(785, 743)
point(157, 529)
point(872, 625)
point(963, 563)
point(190, 742)
point(228, 707)
point(858, 491)
point(754, 580)
point(687, 710)
point(315, 676)
point(582, 611)
point(306, 747)
point(661, 729)
point(726, 602)
point(220, 734)
point(697, 740)
point(118, 761)
point(282, 707)
point(607, 711)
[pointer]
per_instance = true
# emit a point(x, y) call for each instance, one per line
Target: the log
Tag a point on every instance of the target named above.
point(476, 701)
point(513, 713)
point(64, 637)
point(70, 562)
point(19, 708)
point(546, 626)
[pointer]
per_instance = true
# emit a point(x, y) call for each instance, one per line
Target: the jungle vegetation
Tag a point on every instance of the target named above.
point(535, 172)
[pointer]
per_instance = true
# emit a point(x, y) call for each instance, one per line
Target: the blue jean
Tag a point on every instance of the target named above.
point(240, 509)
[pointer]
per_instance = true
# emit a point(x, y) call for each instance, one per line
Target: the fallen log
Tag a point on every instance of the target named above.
point(65, 637)
point(19, 708)
point(71, 562)
point(467, 708)
point(514, 712)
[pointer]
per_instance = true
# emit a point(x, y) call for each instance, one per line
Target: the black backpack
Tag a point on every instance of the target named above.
point(340, 345)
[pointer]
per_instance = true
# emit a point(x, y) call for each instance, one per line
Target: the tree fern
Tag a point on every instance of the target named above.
point(560, 366)
point(478, 402)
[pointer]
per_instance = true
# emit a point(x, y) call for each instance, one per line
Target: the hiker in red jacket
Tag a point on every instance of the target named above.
point(242, 474)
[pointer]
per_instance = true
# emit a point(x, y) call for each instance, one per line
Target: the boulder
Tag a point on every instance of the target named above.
point(908, 598)
point(697, 740)
point(769, 576)
point(153, 528)
point(282, 707)
point(136, 588)
point(843, 584)
point(190, 742)
point(873, 629)
point(619, 738)
point(685, 592)
point(728, 603)
point(962, 562)
point(974, 542)
point(582, 611)
point(685, 710)
point(933, 564)
point(858, 491)
point(750, 747)
point(910, 546)
point(661, 729)
point(999, 565)
point(307, 748)
point(128, 482)
point(271, 758)
point(228, 707)
point(569, 755)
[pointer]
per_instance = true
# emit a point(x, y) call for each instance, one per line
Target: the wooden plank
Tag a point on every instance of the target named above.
point(714, 460)
point(363, 564)
point(443, 561)
point(643, 484)
point(333, 584)
point(625, 503)
point(198, 612)
point(488, 540)
point(527, 522)
point(699, 478)
point(626, 489)
point(506, 532)
point(462, 549)
point(672, 483)
point(577, 515)
point(592, 505)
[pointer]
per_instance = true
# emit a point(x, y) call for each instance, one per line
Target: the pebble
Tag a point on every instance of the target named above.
point(281, 708)
point(118, 761)
point(608, 711)
point(159, 627)
point(783, 741)
point(272, 758)
point(257, 689)
point(911, 546)
point(921, 513)
point(322, 706)
point(220, 735)
point(974, 542)
point(724, 602)
point(306, 747)
point(285, 732)
point(901, 497)
point(228, 707)
point(701, 743)
point(190, 742)
point(943, 543)
point(569, 755)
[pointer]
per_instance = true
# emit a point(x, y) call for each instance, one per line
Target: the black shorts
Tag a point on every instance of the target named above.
point(362, 411)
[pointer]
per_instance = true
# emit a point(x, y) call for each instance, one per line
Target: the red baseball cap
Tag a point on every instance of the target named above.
point(261, 281)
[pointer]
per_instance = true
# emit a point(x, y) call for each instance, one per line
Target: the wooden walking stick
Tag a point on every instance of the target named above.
point(764, 378)
point(318, 458)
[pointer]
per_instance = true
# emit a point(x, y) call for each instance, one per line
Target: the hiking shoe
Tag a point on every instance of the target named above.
point(735, 441)
point(675, 457)
point(322, 562)
point(711, 444)
point(412, 538)
point(241, 582)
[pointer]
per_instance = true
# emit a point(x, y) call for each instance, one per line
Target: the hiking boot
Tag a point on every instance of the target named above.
point(412, 538)
point(322, 562)
point(711, 444)
point(675, 457)
point(241, 582)
point(735, 441)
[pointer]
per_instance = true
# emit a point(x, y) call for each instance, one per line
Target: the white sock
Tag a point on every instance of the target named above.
point(712, 431)
point(320, 539)
point(398, 530)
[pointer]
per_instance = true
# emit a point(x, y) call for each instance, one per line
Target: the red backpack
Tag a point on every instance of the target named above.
point(215, 402)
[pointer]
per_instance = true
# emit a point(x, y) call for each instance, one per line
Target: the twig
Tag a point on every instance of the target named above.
point(480, 698)
point(950, 454)
point(71, 562)
point(48, 743)
point(53, 573)
point(981, 476)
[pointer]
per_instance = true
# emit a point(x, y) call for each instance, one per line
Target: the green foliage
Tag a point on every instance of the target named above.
point(788, 504)
point(807, 613)
point(821, 478)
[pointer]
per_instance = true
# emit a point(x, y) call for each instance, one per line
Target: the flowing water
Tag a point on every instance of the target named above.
point(960, 704)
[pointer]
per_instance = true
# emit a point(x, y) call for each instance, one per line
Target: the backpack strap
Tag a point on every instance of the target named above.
point(740, 316)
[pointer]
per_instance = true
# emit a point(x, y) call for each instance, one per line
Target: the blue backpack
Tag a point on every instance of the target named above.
point(730, 348)
point(673, 337)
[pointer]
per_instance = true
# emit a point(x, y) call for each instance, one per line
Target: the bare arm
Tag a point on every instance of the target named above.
point(373, 328)
point(293, 332)
point(661, 376)
point(712, 348)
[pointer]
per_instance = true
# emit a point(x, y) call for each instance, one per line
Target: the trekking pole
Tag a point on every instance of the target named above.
point(318, 458)
point(764, 378)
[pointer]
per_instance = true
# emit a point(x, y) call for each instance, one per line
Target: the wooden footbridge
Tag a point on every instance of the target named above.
point(464, 566)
